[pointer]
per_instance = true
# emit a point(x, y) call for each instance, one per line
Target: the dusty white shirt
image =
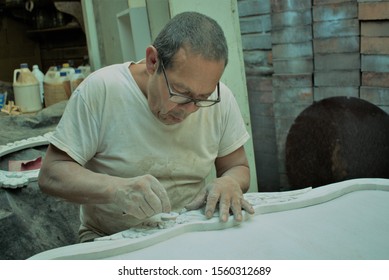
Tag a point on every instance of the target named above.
point(107, 127)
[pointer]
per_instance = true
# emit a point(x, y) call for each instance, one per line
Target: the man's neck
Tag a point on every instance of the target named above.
point(140, 75)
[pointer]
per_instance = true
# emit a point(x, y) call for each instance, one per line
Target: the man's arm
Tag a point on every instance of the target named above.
point(61, 176)
point(236, 166)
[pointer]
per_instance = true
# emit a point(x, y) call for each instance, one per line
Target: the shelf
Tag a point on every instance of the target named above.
point(55, 29)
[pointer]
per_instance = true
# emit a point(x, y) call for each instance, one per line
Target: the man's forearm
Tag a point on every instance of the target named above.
point(69, 180)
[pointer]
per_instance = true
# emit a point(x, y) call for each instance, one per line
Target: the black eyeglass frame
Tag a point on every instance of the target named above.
point(187, 99)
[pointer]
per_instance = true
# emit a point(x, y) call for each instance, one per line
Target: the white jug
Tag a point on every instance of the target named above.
point(26, 90)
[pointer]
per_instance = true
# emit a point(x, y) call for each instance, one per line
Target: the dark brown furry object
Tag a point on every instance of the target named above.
point(337, 139)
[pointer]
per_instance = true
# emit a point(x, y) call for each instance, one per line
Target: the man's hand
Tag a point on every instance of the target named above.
point(226, 192)
point(142, 197)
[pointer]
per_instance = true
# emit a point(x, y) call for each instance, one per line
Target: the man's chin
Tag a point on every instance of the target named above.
point(170, 120)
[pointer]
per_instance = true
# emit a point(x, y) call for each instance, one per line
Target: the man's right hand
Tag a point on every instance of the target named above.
point(142, 197)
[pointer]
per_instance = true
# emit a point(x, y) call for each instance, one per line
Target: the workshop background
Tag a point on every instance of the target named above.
point(295, 53)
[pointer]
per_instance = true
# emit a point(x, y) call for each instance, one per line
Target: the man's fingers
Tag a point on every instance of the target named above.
point(224, 209)
point(137, 213)
point(147, 210)
point(153, 202)
point(247, 206)
point(164, 201)
point(236, 207)
point(212, 200)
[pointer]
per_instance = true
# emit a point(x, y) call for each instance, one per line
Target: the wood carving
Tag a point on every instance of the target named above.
point(164, 226)
point(22, 178)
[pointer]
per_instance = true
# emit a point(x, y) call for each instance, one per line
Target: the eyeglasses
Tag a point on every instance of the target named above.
point(183, 99)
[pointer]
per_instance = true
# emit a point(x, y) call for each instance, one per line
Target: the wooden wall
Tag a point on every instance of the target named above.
point(302, 51)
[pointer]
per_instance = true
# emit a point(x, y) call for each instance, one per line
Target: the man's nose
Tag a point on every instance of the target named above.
point(191, 106)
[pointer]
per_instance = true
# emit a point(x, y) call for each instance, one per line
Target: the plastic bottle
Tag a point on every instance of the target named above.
point(68, 70)
point(56, 85)
point(24, 75)
point(85, 70)
point(76, 79)
point(64, 78)
point(51, 73)
point(26, 90)
point(3, 99)
point(85, 67)
point(49, 85)
point(40, 77)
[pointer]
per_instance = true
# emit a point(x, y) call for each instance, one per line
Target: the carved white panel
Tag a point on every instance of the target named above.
point(19, 179)
point(165, 226)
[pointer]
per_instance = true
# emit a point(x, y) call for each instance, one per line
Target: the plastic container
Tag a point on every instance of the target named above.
point(85, 70)
point(3, 99)
point(56, 86)
point(40, 77)
point(76, 79)
point(26, 90)
point(65, 80)
point(68, 70)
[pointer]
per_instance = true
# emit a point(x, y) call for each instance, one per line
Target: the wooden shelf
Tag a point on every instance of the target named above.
point(56, 29)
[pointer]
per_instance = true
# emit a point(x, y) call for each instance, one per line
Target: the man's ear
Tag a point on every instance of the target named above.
point(151, 59)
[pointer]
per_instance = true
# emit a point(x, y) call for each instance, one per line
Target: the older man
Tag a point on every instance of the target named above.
point(138, 139)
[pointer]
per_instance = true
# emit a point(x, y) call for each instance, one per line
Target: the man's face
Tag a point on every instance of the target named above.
point(192, 76)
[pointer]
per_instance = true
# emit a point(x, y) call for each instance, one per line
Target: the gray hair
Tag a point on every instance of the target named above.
point(199, 33)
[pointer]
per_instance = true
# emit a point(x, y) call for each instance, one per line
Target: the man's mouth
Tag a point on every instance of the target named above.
point(175, 119)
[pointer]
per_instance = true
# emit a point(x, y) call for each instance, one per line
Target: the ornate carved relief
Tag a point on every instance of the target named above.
point(164, 226)
point(19, 179)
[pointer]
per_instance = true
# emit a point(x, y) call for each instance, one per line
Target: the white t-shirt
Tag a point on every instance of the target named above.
point(107, 127)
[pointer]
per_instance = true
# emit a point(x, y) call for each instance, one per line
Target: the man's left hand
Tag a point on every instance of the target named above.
point(226, 192)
